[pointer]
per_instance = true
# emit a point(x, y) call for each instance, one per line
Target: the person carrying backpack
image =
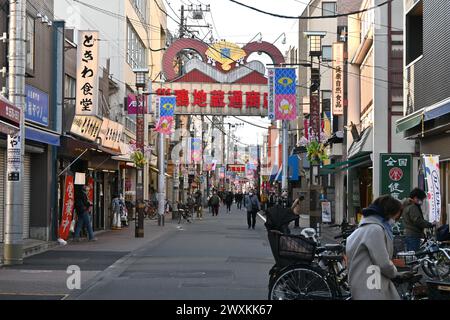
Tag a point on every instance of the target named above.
point(215, 203)
point(252, 205)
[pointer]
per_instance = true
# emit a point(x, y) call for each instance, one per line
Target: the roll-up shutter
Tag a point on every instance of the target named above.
point(2, 191)
point(26, 195)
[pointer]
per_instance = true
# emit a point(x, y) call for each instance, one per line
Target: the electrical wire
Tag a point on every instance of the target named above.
point(350, 16)
point(311, 18)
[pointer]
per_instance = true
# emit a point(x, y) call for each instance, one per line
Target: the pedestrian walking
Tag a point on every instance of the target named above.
point(199, 204)
point(229, 201)
point(215, 204)
point(83, 207)
point(252, 205)
point(413, 219)
point(239, 197)
point(116, 207)
point(370, 249)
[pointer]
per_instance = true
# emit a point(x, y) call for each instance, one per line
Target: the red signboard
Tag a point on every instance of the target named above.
point(8, 112)
point(217, 98)
point(91, 190)
point(67, 214)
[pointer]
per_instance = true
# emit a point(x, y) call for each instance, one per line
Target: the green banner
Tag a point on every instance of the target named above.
point(396, 175)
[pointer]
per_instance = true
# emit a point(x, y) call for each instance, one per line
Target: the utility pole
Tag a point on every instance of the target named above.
point(182, 27)
point(285, 170)
point(13, 249)
point(161, 180)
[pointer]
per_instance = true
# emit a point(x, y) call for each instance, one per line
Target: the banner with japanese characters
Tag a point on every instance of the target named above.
point(68, 206)
point(396, 175)
point(338, 79)
point(433, 179)
point(87, 74)
point(216, 98)
point(167, 106)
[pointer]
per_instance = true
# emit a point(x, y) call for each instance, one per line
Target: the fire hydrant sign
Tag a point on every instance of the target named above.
point(396, 175)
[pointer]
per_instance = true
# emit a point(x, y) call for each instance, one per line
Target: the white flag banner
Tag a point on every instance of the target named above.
point(432, 176)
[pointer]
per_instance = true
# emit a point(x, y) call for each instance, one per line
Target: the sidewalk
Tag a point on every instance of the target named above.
point(31, 247)
point(45, 274)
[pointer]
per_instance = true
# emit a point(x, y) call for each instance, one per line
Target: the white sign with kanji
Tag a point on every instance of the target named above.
point(87, 73)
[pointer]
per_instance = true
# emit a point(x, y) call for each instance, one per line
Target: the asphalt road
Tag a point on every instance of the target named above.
point(216, 258)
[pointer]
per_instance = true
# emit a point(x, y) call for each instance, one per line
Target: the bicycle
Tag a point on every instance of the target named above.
point(433, 257)
point(150, 212)
point(325, 268)
point(183, 213)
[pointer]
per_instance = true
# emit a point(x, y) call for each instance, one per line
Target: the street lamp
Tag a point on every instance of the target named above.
point(315, 53)
point(260, 37)
point(284, 38)
point(141, 83)
point(315, 42)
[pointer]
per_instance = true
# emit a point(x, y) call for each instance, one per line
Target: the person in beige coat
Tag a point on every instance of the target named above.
point(369, 251)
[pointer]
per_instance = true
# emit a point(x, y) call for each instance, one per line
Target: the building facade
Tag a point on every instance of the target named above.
point(375, 99)
point(43, 122)
point(334, 35)
point(133, 37)
point(426, 119)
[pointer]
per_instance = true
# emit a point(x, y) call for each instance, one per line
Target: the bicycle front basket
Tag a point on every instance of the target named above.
point(296, 247)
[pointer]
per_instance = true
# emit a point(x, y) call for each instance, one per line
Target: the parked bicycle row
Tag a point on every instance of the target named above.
point(365, 265)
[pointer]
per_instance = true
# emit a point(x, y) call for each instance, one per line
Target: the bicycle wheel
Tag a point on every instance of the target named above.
point(301, 282)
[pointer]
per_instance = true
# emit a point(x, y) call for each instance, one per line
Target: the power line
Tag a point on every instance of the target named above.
point(310, 18)
point(218, 127)
point(317, 7)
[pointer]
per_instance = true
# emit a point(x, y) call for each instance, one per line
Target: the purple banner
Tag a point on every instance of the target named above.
point(132, 105)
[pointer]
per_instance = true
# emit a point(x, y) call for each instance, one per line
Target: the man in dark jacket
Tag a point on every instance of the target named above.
point(253, 206)
point(413, 219)
point(83, 208)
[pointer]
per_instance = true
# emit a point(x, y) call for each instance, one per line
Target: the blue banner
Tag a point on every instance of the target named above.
point(36, 109)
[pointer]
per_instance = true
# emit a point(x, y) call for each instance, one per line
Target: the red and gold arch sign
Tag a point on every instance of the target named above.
point(219, 79)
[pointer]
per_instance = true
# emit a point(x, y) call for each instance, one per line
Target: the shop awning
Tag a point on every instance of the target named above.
point(410, 121)
point(351, 164)
point(363, 145)
point(344, 163)
point(42, 136)
point(438, 110)
point(426, 114)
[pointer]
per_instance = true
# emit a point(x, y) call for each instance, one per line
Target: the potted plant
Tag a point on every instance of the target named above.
point(316, 152)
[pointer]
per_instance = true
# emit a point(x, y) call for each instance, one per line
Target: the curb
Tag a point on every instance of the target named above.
point(35, 249)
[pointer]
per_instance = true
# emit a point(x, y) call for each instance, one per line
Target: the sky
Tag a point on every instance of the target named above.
point(238, 24)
